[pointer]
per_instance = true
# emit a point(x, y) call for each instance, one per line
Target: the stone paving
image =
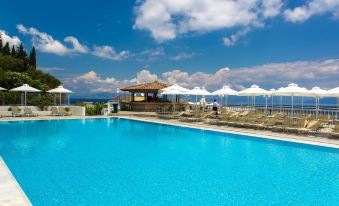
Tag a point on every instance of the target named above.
point(11, 193)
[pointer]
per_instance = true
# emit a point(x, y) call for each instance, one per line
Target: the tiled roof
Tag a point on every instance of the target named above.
point(148, 87)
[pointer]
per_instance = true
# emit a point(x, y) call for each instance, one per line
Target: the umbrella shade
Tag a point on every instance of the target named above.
point(60, 89)
point(174, 90)
point(198, 91)
point(25, 88)
point(254, 90)
point(2, 89)
point(226, 90)
point(292, 90)
point(334, 92)
point(317, 92)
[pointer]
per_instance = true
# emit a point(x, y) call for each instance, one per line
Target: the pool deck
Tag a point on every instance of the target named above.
point(11, 193)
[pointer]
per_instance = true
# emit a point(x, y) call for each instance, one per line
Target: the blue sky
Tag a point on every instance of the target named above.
point(103, 45)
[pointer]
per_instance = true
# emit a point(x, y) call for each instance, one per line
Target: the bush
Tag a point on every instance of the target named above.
point(95, 109)
point(10, 80)
point(42, 101)
point(12, 64)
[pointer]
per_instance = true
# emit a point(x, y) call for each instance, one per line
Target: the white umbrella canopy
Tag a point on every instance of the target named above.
point(225, 91)
point(254, 91)
point(334, 92)
point(25, 88)
point(175, 89)
point(198, 91)
point(292, 90)
point(60, 90)
point(317, 93)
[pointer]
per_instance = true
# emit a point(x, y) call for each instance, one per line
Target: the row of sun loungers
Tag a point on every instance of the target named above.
point(250, 119)
point(27, 112)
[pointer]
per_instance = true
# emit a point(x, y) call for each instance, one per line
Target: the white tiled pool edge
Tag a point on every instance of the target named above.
point(11, 193)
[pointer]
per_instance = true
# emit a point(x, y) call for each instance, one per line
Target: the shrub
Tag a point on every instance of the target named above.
point(42, 101)
point(95, 109)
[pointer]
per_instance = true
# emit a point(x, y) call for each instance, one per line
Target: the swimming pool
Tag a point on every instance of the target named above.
point(124, 162)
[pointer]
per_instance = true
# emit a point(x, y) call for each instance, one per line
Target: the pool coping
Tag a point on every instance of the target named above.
point(11, 192)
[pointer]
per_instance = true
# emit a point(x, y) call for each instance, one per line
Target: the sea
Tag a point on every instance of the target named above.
point(298, 102)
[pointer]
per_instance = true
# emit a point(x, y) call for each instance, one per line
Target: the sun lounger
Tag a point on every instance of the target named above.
point(197, 118)
point(335, 132)
point(288, 124)
point(63, 111)
point(312, 126)
point(174, 115)
point(28, 112)
point(55, 112)
point(271, 122)
point(16, 111)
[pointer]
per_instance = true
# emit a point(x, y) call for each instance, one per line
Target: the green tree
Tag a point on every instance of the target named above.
point(6, 50)
point(13, 52)
point(21, 53)
point(9, 63)
point(32, 58)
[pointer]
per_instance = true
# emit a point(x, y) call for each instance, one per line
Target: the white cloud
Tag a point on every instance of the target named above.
point(271, 8)
point(87, 77)
point(311, 8)
point(46, 43)
point(182, 56)
point(77, 47)
point(145, 76)
point(12, 40)
point(150, 55)
point(92, 82)
point(51, 69)
point(166, 19)
point(43, 41)
point(108, 52)
point(307, 73)
point(234, 38)
point(323, 73)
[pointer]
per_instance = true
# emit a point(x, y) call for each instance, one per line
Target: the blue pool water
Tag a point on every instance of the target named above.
point(123, 162)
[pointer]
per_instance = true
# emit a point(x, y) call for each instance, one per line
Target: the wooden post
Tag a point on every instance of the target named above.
point(132, 97)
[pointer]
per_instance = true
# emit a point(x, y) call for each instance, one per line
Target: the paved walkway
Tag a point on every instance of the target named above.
point(11, 193)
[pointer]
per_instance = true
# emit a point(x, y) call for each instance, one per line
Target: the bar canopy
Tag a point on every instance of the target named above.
point(152, 87)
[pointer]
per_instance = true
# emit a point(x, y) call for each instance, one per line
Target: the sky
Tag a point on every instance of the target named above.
point(95, 47)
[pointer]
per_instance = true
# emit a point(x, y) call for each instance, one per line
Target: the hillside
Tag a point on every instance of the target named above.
point(17, 68)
